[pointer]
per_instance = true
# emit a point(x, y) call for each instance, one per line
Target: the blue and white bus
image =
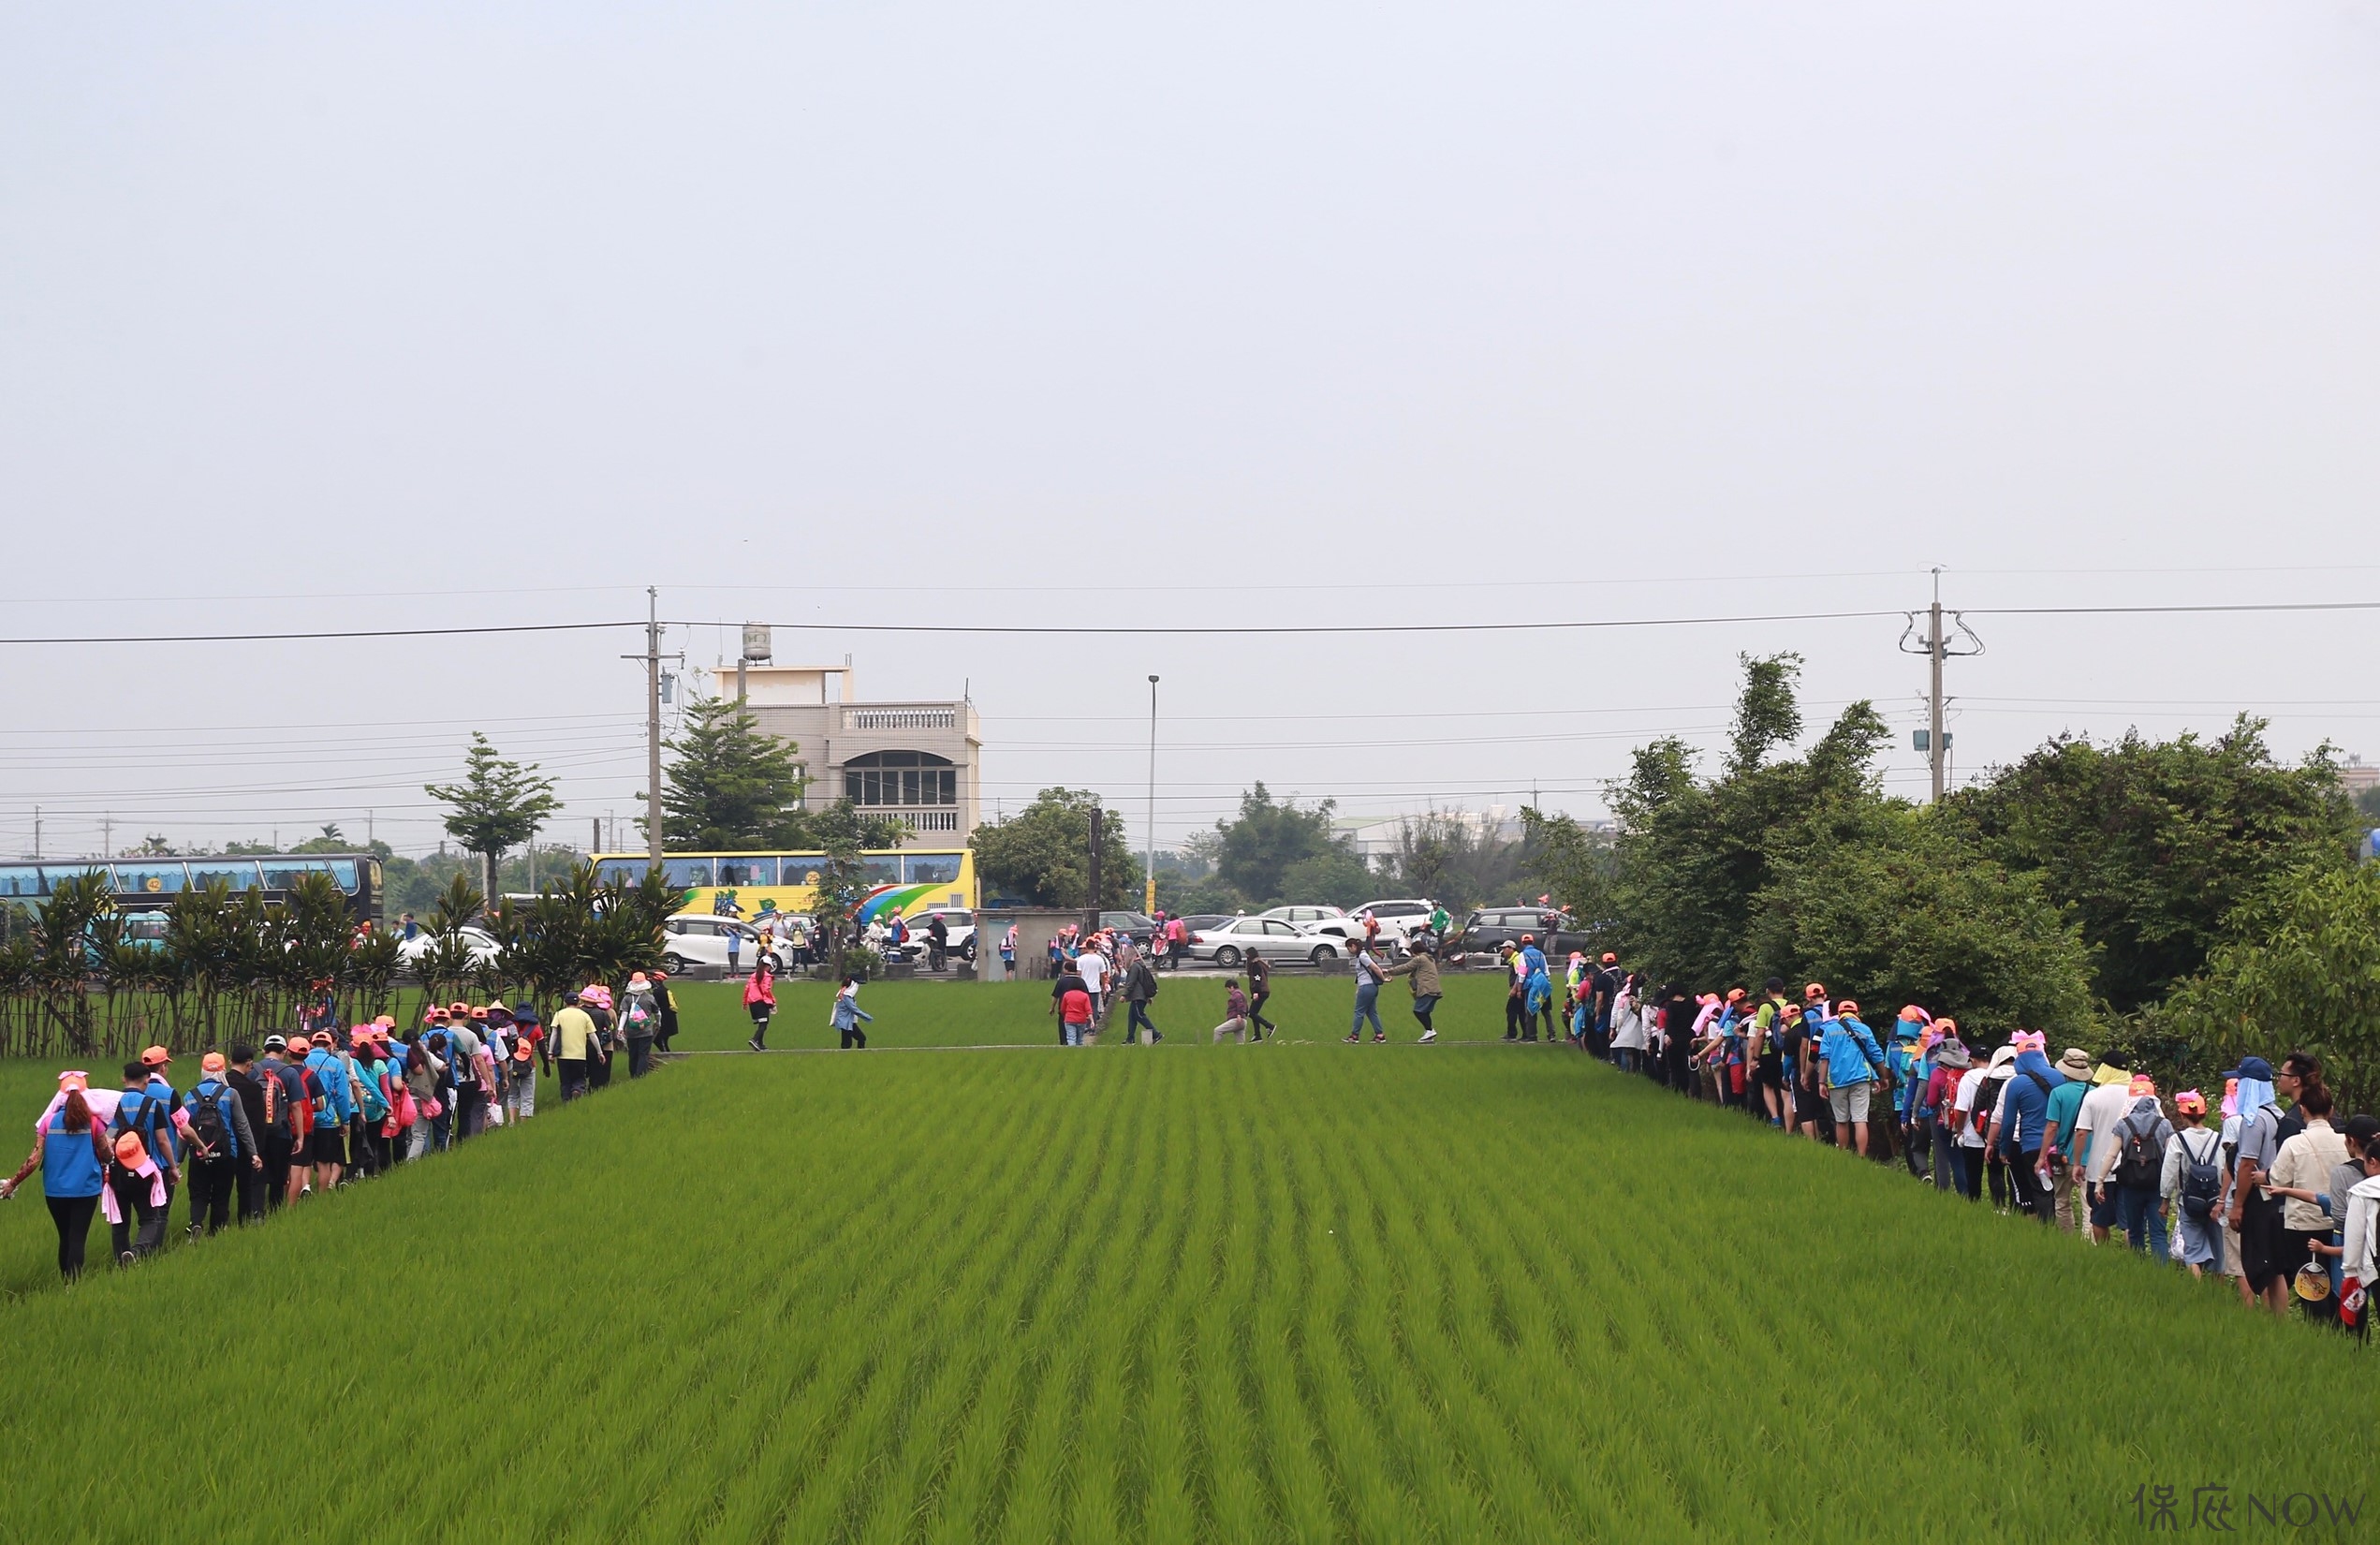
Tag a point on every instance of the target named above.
point(147, 885)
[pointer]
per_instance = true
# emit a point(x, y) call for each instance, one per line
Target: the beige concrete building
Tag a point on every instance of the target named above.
point(917, 760)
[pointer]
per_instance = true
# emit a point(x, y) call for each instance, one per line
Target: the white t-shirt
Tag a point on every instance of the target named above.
point(1094, 967)
point(1970, 1086)
point(2103, 1111)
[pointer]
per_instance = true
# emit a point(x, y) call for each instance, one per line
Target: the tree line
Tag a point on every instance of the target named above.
point(2184, 900)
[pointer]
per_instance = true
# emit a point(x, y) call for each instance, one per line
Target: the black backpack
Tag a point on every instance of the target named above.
point(155, 1111)
point(1987, 1101)
point(209, 1130)
point(2138, 1162)
point(2201, 1181)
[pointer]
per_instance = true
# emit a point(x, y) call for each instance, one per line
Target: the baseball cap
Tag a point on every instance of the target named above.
point(130, 1152)
point(1846, 1006)
point(2254, 1069)
point(1611, 959)
point(1815, 989)
point(155, 1057)
point(211, 1063)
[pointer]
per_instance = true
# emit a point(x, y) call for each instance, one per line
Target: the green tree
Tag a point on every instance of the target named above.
point(729, 787)
point(1043, 852)
point(498, 804)
point(1335, 878)
point(2150, 845)
point(1454, 859)
point(1901, 912)
point(1257, 851)
point(2301, 971)
point(1574, 865)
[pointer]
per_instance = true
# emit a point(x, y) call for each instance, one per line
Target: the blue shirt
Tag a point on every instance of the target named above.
point(2028, 1106)
point(1851, 1052)
point(224, 1099)
point(150, 1113)
point(69, 1166)
point(2066, 1106)
point(327, 1072)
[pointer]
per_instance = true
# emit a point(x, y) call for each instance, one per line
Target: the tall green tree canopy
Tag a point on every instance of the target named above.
point(729, 787)
point(498, 803)
point(2150, 845)
point(1043, 853)
point(1269, 839)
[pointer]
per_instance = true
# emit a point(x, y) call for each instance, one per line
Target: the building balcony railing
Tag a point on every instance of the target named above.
point(899, 718)
point(937, 818)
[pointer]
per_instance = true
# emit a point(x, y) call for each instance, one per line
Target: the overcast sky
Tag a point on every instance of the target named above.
point(1222, 315)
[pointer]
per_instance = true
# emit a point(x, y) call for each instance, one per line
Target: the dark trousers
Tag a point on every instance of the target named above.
point(1599, 1033)
point(471, 1112)
point(759, 1013)
point(72, 1215)
point(639, 1055)
point(574, 1079)
point(855, 1036)
point(668, 1028)
point(1423, 1006)
point(276, 1165)
point(2025, 1186)
point(253, 1185)
point(139, 1214)
point(1515, 1012)
point(1945, 1167)
point(1968, 1163)
point(598, 1072)
point(1256, 1021)
point(1140, 1020)
point(213, 1184)
point(1918, 1146)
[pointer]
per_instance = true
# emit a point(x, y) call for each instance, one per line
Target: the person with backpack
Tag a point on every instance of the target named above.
point(2095, 1148)
point(847, 1015)
point(425, 1081)
point(574, 1046)
point(1140, 990)
point(1952, 1065)
point(1421, 969)
point(1971, 1120)
point(642, 1022)
point(1854, 1065)
point(528, 1035)
point(665, 1003)
point(2140, 1140)
point(222, 1146)
point(2191, 1184)
point(1260, 991)
point(284, 1149)
point(332, 1100)
point(135, 1199)
point(70, 1148)
point(147, 1107)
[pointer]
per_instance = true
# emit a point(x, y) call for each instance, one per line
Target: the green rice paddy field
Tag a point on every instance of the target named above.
point(1293, 1291)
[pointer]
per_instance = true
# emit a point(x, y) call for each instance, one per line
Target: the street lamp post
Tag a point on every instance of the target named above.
point(1149, 898)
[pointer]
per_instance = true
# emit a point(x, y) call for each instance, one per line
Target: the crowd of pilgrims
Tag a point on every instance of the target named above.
point(263, 1127)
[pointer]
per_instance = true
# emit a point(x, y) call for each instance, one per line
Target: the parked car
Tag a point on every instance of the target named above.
point(1141, 929)
point(482, 944)
point(958, 920)
point(1491, 928)
point(1196, 921)
point(697, 938)
point(1303, 914)
point(1399, 918)
point(1271, 938)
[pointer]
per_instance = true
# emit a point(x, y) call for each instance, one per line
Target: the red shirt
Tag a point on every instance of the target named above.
point(1074, 1007)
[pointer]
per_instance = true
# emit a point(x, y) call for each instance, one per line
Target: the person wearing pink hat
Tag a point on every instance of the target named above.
point(71, 1147)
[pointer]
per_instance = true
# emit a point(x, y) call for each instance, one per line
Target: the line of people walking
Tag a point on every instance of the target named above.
point(264, 1126)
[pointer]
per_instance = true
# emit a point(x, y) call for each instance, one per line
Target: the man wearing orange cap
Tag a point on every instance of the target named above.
point(221, 1146)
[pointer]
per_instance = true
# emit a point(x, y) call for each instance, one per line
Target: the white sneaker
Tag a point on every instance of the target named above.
point(1429, 1035)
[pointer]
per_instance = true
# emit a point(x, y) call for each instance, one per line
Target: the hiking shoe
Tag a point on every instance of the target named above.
point(127, 1259)
point(1378, 1036)
point(1354, 1040)
point(756, 1046)
point(1429, 1035)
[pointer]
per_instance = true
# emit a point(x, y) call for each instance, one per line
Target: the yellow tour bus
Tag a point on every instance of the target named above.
point(902, 882)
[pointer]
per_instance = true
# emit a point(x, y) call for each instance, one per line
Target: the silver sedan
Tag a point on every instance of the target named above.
point(1230, 942)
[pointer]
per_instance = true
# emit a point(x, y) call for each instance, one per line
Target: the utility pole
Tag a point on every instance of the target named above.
point(653, 723)
point(1098, 829)
point(36, 832)
point(1936, 740)
point(1149, 897)
point(107, 835)
point(594, 833)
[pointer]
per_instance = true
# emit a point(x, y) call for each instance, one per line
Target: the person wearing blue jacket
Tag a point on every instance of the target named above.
point(1854, 1062)
point(147, 1108)
point(848, 1014)
point(334, 1106)
point(220, 1146)
point(1909, 1073)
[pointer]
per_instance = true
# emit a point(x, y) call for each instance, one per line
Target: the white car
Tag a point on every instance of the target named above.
point(482, 944)
point(699, 938)
point(958, 920)
point(1271, 938)
point(1401, 920)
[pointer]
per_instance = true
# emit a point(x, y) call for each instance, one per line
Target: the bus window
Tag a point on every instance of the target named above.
point(685, 872)
point(930, 868)
point(342, 875)
point(281, 873)
point(620, 871)
point(150, 879)
point(53, 875)
point(747, 871)
point(884, 870)
point(238, 873)
point(21, 879)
